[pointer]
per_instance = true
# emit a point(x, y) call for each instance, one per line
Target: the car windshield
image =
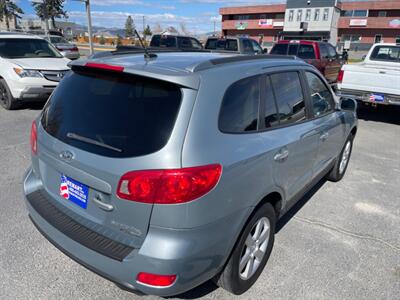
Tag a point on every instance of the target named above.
point(58, 40)
point(222, 44)
point(27, 48)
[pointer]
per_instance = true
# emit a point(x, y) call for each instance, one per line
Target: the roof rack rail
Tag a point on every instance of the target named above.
point(123, 50)
point(238, 58)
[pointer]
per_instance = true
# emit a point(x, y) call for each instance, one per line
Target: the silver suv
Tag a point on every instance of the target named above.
point(161, 173)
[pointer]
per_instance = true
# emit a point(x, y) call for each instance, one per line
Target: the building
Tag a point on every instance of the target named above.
point(359, 23)
point(12, 23)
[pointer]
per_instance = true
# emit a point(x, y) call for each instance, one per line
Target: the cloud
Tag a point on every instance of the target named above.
point(156, 5)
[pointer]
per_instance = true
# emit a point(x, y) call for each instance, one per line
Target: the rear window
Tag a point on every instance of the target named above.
point(228, 44)
point(386, 53)
point(306, 52)
point(112, 115)
point(280, 49)
point(163, 41)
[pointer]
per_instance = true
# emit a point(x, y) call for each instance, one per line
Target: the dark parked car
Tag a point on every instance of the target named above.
point(175, 41)
point(321, 55)
point(240, 45)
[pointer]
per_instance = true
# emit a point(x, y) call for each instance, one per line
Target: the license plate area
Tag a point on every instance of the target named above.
point(379, 98)
point(74, 191)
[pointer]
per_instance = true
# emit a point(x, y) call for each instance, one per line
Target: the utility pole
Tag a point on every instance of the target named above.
point(214, 26)
point(143, 23)
point(89, 17)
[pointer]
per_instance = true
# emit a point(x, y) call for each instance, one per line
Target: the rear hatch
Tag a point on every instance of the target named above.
point(97, 126)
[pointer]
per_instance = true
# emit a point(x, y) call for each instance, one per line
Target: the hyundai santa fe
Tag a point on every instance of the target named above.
point(162, 172)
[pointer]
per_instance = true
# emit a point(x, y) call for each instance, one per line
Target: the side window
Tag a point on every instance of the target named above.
point(306, 52)
point(324, 50)
point(289, 97)
point(293, 49)
point(239, 109)
point(247, 46)
point(184, 42)
point(256, 47)
point(332, 52)
point(321, 98)
point(196, 44)
point(271, 118)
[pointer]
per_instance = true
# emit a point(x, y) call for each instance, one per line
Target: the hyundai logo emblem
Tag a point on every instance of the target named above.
point(66, 155)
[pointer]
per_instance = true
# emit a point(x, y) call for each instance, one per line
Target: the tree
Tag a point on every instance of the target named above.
point(102, 40)
point(157, 28)
point(147, 32)
point(8, 10)
point(129, 27)
point(50, 9)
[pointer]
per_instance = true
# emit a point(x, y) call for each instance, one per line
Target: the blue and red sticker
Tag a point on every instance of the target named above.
point(74, 191)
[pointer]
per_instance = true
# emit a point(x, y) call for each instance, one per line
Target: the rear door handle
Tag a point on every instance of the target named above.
point(382, 72)
point(324, 136)
point(281, 155)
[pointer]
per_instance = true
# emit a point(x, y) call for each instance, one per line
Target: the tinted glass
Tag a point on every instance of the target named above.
point(27, 48)
point(306, 52)
point(133, 114)
point(58, 40)
point(196, 44)
point(229, 44)
point(163, 41)
point(289, 97)
point(184, 42)
point(271, 114)
point(293, 49)
point(239, 110)
point(386, 53)
point(280, 49)
point(331, 51)
point(256, 47)
point(321, 97)
point(247, 47)
point(324, 50)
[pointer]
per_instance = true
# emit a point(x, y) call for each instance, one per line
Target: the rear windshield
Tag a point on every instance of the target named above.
point(112, 115)
point(228, 44)
point(163, 41)
point(386, 53)
point(280, 49)
point(27, 48)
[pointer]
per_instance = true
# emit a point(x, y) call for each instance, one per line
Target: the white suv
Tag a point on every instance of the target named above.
point(30, 69)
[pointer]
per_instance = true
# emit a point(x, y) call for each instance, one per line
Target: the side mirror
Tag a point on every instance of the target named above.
point(348, 104)
point(363, 57)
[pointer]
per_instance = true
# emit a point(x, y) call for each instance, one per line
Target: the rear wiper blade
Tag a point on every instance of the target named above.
point(78, 137)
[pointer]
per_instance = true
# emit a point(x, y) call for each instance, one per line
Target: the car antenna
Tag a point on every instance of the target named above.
point(147, 54)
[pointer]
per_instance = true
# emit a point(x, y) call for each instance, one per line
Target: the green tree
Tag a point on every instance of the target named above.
point(50, 9)
point(147, 32)
point(102, 40)
point(129, 27)
point(8, 10)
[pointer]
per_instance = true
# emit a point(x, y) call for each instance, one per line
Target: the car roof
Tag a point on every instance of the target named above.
point(185, 68)
point(229, 37)
point(16, 35)
point(304, 42)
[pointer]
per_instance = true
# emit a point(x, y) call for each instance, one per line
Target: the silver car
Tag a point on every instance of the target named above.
point(66, 48)
point(163, 171)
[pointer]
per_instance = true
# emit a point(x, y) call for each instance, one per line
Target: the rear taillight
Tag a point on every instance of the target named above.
point(34, 138)
point(340, 76)
point(75, 49)
point(155, 280)
point(169, 186)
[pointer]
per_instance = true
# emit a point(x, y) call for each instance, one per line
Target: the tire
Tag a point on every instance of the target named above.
point(7, 101)
point(233, 278)
point(338, 171)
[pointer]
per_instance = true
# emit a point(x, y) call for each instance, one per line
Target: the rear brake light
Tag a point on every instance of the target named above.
point(169, 186)
point(34, 138)
point(155, 280)
point(340, 76)
point(105, 67)
point(75, 49)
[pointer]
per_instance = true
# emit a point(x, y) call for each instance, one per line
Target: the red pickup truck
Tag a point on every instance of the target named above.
point(322, 55)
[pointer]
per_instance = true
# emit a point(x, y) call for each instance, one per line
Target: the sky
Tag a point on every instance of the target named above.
point(198, 16)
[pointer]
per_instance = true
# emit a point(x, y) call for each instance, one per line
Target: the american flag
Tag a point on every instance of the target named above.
point(64, 188)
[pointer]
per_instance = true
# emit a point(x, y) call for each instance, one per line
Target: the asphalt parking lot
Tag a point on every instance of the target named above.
point(342, 241)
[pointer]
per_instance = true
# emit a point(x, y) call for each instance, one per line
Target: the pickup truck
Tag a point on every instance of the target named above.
point(233, 44)
point(321, 55)
point(375, 80)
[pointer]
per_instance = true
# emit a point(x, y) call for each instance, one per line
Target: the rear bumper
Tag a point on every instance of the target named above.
point(364, 96)
point(194, 255)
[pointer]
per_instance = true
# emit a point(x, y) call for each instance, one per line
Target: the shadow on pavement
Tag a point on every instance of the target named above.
point(33, 105)
point(198, 292)
point(382, 113)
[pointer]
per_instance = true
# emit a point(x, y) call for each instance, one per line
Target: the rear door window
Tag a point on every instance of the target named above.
point(306, 52)
point(386, 53)
point(289, 97)
point(240, 106)
point(128, 115)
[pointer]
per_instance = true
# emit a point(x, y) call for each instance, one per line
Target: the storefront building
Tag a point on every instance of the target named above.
point(362, 23)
